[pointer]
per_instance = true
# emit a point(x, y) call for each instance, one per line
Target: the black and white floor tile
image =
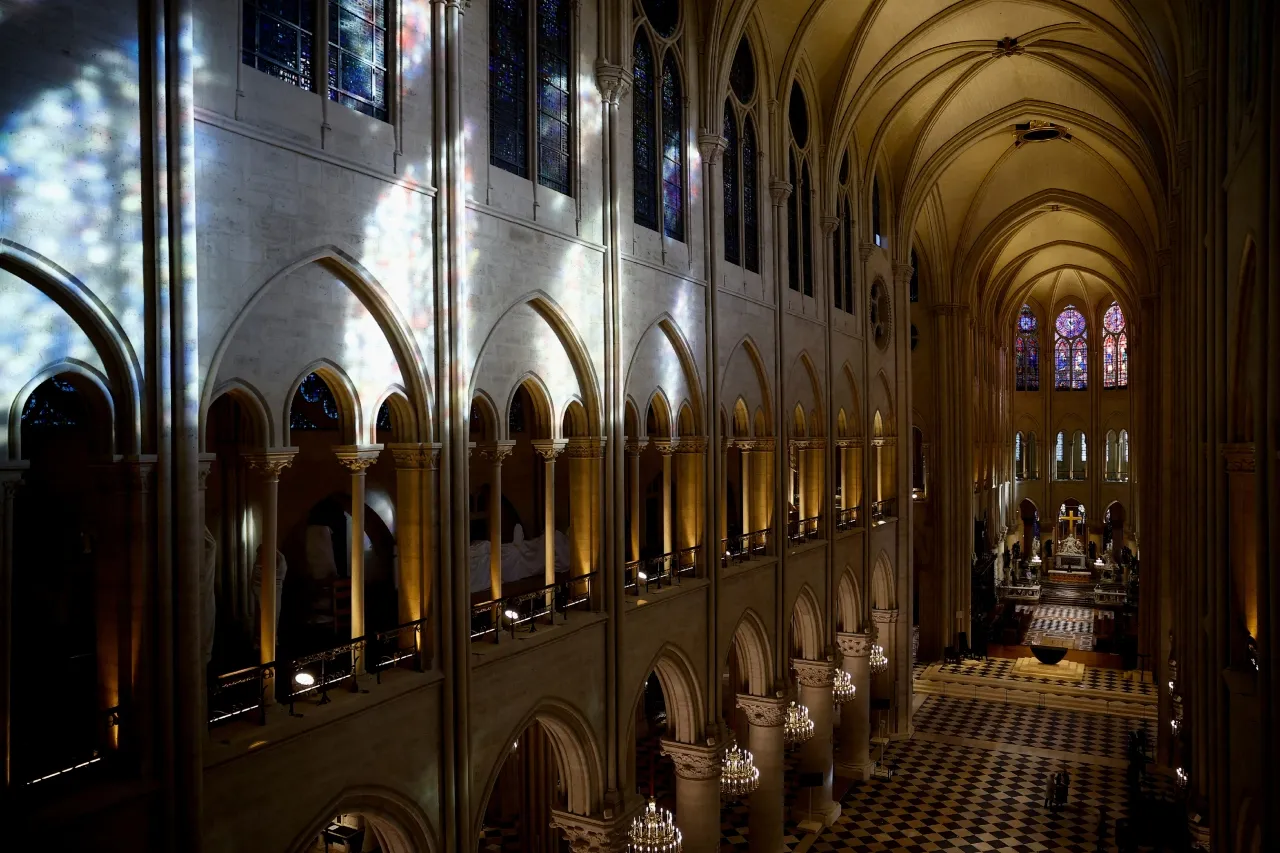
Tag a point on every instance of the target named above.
point(1046, 728)
point(1095, 678)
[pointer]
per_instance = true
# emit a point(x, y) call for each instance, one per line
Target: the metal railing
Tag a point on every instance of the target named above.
point(522, 612)
point(848, 518)
point(663, 570)
point(805, 529)
point(315, 673)
point(748, 546)
point(235, 694)
point(884, 510)
point(396, 646)
point(88, 752)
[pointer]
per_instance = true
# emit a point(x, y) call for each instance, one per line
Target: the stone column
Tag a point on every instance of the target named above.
point(598, 833)
point(855, 715)
point(765, 716)
point(10, 482)
point(689, 487)
point(583, 455)
point(763, 510)
point(665, 448)
point(634, 448)
point(270, 464)
point(744, 448)
point(813, 485)
point(886, 683)
point(357, 459)
point(410, 460)
point(814, 679)
point(722, 520)
point(493, 453)
point(697, 810)
point(549, 449)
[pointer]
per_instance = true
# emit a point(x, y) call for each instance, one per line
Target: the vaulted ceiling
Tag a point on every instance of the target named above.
point(928, 95)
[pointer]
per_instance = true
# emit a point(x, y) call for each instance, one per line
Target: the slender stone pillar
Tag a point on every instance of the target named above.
point(549, 449)
point(815, 679)
point(357, 459)
point(697, 810)
point(765, 716)
point(10, 482)
point(723, 485)
point(689, 488)
point(854, 761)
point(410, 460)
point(813, 485)
point(744, 448)
point(430, 496)
point(634, 448)
point(763, 480)
point(270, 464)
point(493, 453)
point(666, 449)
point(583, 455)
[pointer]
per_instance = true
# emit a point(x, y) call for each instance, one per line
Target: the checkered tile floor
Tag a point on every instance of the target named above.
point(1061, 625)
point(1066, 731)
point(734, 819)
point(1095, 678)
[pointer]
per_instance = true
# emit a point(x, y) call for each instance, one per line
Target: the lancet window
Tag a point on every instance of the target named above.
point(658, 120)
point(1115, 348)
point(741, 166)
point(1071, 351)
point(1026, 351)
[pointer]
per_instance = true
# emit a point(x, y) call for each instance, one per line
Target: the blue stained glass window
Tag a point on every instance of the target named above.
point(314, 406)
point(384, 417)
point(806, 233)
point(358, 55)
point(1115, 349)
point(732, 238)
point(279, 37)
point(1027, 352)
point(644, 135)
point(1071, 356)
point(54, 404)
point(751, 225)
point(793, 226)
point(672, 150)
point(555, 103)
point(508, 86)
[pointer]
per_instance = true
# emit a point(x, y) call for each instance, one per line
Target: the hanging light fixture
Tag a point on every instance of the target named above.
point(879, 663)
point(739, 775)
point(843, 689)
point(654, 831)
point(798, 728)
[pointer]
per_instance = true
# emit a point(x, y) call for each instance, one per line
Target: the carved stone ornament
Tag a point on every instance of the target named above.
point(592, 834)
point(814, 673)
point(584, 448)
point(865, 250)
point(636, 446)
point(829, 224)
point(902, 273)
point(549, 448)
point(854, 645)
point(663, 445)
point(1008, 46)
point(494, 451)
point(1071, 547)
point(763, 710)
point(884, 617)
point(357, 459)
point(409, 456)
point(711, 146)
point(613, 81)
point(203, 467)
point(695, 761)
point(691, 444)
point(1239, 458)
point(271, 463)
point(780, 191)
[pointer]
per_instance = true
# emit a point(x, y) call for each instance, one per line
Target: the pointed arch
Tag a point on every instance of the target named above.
point(741, 419)
point(748, 345)
point(374, 297)
point(889, 412)
point(544, 415)
point(688, 365)
point(98, 400)
point(686, 707)
point(255, 406)
point(806, 626)
point(884, 594)
point(848, 602)
point(397, 821)
point(751, 642)
point(630, 419)
point(403, 426)
point(663, 419)
point(856, 400)
point(482, 404)
point(344, 392)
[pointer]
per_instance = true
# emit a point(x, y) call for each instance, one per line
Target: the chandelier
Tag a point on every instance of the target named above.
point(654, 831)
point(739, 775)
point(798, 728)
point(843, 689)
point(879, 663)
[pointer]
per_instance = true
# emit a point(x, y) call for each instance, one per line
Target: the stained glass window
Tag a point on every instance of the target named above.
point(358, 55)
point(555, 102)
point(1026, 352)
point(806, 234)
point(1115, 349)
point(508, 86)
point(663, 15)
point(314, 406)
point(915, 276)
point(644, 132)
point(750, 224)
point(54, 404)
point(875, 212)
point(742, 75)
point(1071, 353)
point(732, 233)
point(384, 417)
point(672, 150)
point(793, 226)
point(279, 37)
point(1017, 456)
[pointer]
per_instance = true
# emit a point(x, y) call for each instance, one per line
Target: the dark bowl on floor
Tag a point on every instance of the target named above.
point(1049, 655)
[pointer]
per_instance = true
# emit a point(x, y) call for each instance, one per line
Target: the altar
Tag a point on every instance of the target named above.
point(1070, 563)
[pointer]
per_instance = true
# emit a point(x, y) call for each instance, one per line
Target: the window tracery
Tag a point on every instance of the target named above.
point(1115, 349)
point(314, 406)
point(1070, 351)
point(658, 120)
point(741, 223)
point(800, 204)
point(1026, 351)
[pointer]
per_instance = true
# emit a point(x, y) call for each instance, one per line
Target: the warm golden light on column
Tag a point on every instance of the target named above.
point(549, 449)
point(357, 460)
point(270, 464)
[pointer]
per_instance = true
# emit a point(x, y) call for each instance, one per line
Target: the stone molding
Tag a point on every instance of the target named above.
point(691, 444)
point(695, 761)
point(493, 451)
point(613, 81)
point(854, 645)
point(884, 617)
point(814, 673)
point(903, 272)
point(848, 443)
point(865, 250)
point(759, 445)
point(584, 448)
point(664, 446)
point(595, 834)
point(829, 224)
point(549, 448)
point(271, 463)
point(711, 146)
point(357, 458)
point(411, 455)
point(636, 446)
point(763, 710)
point(809, 443)
point(1240, 458)
point(780, 191)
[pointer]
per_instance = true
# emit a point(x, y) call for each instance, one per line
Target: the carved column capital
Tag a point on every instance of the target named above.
point(494, 451)
point(779, 191)
point(1240, 458)
point(884, 617)
point(613, 81)
point(597, 834)
point(854, 645)
point(814, 673)
point(636, 446)
point(829, 224)
point(357, 458)
point(664, 446)
point(549, 448)
point(271, 463)
point(865, 250)
point(903, 273)
point(585, 448)
point(763, 710)
point(711, 146)
point(408, 456)
point(691, 444)
point(203, 467)
point(695, 761)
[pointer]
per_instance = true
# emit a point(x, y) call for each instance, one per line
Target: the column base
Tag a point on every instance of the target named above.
point(859, 772)
point(813, 820)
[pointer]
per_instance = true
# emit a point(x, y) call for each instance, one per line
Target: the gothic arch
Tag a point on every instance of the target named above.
point(751, 642)
point(806, 626)
point(848, 602)
point(686, 707)
point(98, 399)
point(884, 595)
point(663, 415)
point(403, 426)
point(888, 412)
point(371, 294)
point(752, 352)
point(688, 365)
point(344, 393)
point(398, 823)
point(855, 417)
point(255, 406)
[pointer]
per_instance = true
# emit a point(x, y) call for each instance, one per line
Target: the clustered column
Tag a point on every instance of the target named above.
point(815, 680)
point(855, 715)
point(697, 793)
point(886, 625)
point(765, 716)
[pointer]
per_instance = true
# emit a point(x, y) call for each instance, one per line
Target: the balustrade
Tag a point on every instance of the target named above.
point(748, 546)
point(848, 518)
point(663, 570)
point(514, 612)
point(805, 529)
